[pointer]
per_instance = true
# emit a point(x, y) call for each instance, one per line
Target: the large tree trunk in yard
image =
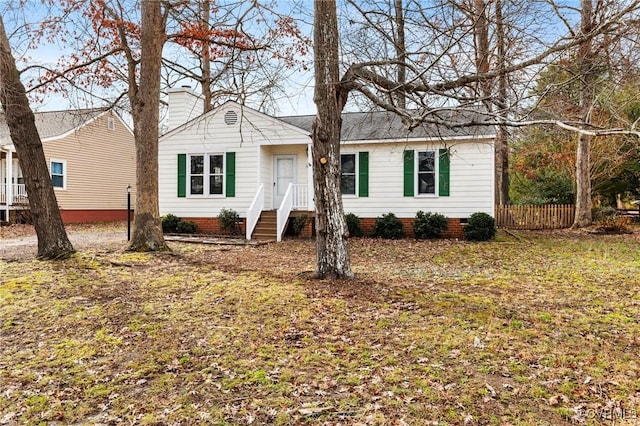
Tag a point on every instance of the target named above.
point(145, 102)
point(53, 242)
point(502, 135)
point(583, 215)
point(583, 155)
point(401, 52)
point(333, 259)
point(205, 14)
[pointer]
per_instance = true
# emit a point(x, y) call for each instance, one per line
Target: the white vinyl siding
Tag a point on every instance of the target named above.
point(471, 181)
point(471, 168)
point(261, 137)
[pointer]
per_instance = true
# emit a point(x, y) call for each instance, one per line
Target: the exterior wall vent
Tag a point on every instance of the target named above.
point(230, 117)
point(111, 124)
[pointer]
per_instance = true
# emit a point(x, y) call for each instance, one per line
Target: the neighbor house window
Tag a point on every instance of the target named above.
point(207, 179)
point(58, 173)
point(348, 174)
point(426, 172)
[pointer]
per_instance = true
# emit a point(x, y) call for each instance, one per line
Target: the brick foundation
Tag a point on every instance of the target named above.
point(454, 231)
point(307, 232)
point(210, 225)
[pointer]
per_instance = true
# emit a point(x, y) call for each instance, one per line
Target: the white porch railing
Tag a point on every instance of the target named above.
point(284, 211)
point(17, 194)
point(254, 211)
point(300, 196)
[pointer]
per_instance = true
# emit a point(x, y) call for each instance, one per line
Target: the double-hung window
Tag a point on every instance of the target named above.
point(58, 173)
point(216, 176)
point(426, 172)
point(354, 174)
point(197, 175)
point(348, 174)
point(206, 174)
point(202, 175)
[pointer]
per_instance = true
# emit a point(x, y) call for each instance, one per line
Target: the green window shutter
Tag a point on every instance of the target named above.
point(444, 167)
point(409, 177)
point(231, 175)
point(363, 174)
point(182, 175)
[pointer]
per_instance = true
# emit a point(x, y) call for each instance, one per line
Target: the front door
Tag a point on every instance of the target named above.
point(284, 173)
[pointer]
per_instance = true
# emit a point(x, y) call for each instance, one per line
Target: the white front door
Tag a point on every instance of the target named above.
point(284, 173)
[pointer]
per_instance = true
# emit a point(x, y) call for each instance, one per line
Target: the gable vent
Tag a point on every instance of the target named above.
point(111, 124)
point(230, 117)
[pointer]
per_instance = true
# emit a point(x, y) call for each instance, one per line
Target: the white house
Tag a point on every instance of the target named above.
point(234, 157)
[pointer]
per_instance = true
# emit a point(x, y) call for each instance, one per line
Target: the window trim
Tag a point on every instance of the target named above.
point(416, 173)
point(206, 175)
point(64, 173)
point(355, 173)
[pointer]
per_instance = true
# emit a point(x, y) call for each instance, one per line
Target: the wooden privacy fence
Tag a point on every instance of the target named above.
point(548, 216)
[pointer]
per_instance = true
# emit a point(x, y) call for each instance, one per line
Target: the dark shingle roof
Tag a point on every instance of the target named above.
point(382, 125)
point(54, 123)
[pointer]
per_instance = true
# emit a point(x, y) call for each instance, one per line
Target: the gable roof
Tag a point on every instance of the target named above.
point(52, 124)
point(243, 109)
point(383, 125)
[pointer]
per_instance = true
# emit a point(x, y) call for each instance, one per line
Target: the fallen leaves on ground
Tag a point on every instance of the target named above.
point(539, 330)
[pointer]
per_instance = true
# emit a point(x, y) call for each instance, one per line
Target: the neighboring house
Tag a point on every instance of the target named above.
point(237, 158)
point(91, 157)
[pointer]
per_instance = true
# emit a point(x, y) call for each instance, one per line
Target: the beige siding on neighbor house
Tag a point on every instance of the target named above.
point(100, 163)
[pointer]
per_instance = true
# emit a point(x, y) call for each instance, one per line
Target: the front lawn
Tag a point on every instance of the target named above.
point(539, 330)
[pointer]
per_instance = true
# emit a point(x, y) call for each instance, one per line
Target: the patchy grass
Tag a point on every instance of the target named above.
point(542, 330)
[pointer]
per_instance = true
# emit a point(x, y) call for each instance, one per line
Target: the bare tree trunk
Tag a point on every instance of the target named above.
point(481, 35)
point(583, 158)
point(502, 136)
point(333, 259)
point(205, 14)
point(53, 242)
point(401, 53)
point(145, 103)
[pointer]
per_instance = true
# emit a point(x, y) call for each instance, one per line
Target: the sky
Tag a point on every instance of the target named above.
point(298, 97)
point(298, 88)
